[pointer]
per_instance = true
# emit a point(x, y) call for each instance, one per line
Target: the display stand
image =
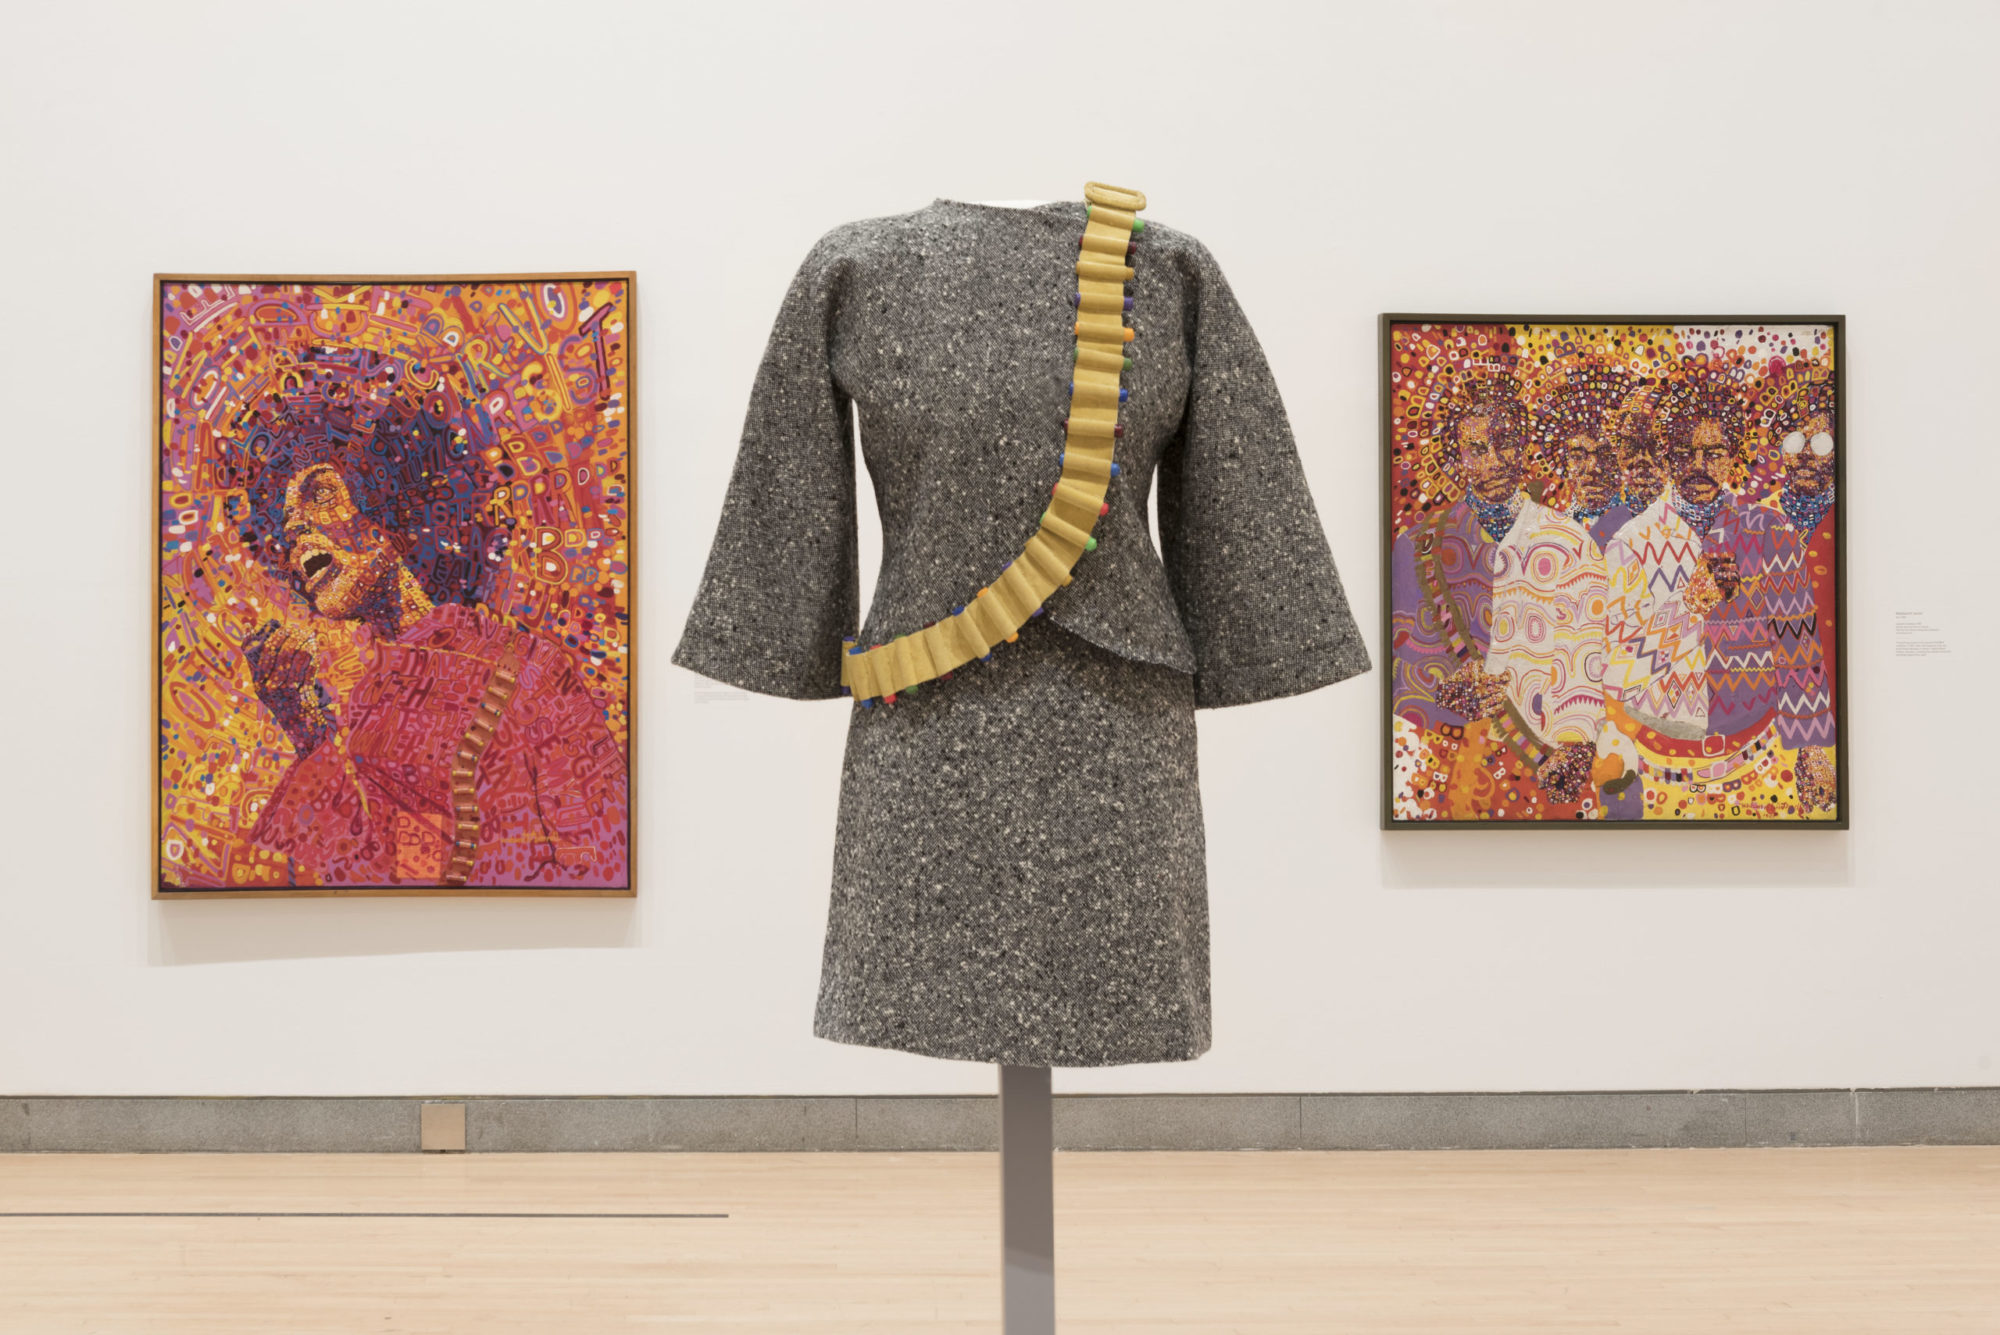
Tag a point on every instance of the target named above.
point(1027, 1202)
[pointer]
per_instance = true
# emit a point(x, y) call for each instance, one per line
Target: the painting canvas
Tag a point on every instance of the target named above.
point(1612, 572)
point(394, 585)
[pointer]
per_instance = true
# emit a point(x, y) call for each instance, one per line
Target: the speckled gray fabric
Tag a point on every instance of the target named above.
point(950, 330)
point(1018, 873)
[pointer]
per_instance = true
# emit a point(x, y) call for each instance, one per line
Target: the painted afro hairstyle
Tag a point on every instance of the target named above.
point(1579, 396)
point(1636, 418)
point(1496, 396)
point(1799, 393)
point(411, 445)
point(1695, 396)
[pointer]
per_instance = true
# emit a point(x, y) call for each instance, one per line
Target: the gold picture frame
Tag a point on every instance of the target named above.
point(438, 346)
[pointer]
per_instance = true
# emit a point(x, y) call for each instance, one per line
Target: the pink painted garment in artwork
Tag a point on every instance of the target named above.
point(372, 805)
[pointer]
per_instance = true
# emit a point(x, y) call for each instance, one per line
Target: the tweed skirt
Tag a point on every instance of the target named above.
point(1019, 870)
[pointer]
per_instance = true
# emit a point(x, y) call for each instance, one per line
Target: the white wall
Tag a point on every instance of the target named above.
point(1591, 157)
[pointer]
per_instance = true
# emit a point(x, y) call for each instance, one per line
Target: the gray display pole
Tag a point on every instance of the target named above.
point(1027, 1202)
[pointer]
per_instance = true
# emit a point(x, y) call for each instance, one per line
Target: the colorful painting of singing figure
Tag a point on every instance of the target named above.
point(394, 591)
point(1612, 580)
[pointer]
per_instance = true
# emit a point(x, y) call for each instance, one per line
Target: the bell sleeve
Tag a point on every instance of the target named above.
point(1244, 551)
point(782, 585)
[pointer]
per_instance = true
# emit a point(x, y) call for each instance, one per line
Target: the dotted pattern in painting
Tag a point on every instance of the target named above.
point(1613, 572)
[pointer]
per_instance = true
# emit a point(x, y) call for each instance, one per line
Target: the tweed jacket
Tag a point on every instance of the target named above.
point(948, 333)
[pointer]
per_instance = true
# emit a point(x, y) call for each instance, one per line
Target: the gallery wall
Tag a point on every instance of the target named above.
point(1340, 161)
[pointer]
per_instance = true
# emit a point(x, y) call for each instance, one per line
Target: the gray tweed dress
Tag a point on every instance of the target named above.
point(1019, 873)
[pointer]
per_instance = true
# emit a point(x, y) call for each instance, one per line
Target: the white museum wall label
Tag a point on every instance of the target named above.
point(1919, 636)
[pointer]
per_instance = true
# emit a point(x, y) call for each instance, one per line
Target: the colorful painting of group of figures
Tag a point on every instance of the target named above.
point(394, 589)
point(1613, 584)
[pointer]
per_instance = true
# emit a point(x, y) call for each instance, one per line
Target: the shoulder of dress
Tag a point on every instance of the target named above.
point(865, 237)
point(1170, 249)
point(1165, 236)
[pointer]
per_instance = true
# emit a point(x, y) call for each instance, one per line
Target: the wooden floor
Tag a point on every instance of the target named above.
point(1765, 1242)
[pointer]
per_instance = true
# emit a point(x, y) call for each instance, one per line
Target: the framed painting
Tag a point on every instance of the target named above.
point(394, 585)
point(1612, 572)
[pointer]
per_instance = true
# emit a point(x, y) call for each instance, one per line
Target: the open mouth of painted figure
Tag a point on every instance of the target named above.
point(315, 568)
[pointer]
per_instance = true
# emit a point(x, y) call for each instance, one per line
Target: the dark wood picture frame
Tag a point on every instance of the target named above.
point(1837, 324)
point(163, 892)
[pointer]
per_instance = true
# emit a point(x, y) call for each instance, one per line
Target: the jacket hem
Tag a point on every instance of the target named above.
point(1108, 642)
point(747, 676)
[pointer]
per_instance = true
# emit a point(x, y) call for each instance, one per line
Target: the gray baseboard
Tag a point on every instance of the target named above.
point(1596, 1120)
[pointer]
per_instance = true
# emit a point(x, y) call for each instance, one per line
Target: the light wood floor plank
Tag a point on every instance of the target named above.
point(1637, 1242)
